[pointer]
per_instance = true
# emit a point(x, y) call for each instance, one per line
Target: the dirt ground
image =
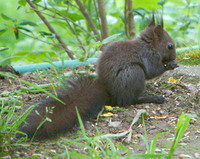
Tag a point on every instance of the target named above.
point(181, 97)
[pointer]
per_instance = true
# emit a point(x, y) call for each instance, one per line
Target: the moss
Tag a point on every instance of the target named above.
point(190, 57)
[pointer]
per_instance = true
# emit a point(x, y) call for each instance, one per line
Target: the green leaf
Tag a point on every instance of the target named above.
point(43, 33)
point(185, 26)
point(74, 154)
point(145, 141)
point(3, 48)
point(182, 125)
point(111, 38)
point(36, 1)
point(22, 2)
point(28, 22)
point(154, 142)
point(2, 31)
point(161, 2)
point(75, 16)
point(141, 12)
point(25, 29)
point(81, 123)
point(5, 17)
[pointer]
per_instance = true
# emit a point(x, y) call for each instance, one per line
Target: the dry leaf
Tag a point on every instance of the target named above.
point(109, 114)
point(160, 117)
point(108, 107)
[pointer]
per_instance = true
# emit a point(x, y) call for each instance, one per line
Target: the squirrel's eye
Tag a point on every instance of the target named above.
point(170, 46)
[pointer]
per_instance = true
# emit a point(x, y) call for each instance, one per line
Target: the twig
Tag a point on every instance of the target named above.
point(112, 135)
point(129, 131)
point(64, 18)
point(37, 38)
point(74, 32)
point(139, 113)
point(88, 18)
point(104, 25)
point(97, 13)
point(70, 54)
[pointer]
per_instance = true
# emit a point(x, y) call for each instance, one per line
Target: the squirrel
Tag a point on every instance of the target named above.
point(122, 70)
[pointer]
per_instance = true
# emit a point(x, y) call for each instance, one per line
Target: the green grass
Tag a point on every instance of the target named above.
point(102, 146)
point(191, 57)
point(9, 123)
point(97, 146)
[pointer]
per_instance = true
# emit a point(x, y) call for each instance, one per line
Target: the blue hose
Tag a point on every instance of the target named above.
point(43, 66)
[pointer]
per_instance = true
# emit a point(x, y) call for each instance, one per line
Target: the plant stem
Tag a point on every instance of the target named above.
point(70, 54)
point(130, 19)
point(88, 18)
point(37, 38)
point(104, 25)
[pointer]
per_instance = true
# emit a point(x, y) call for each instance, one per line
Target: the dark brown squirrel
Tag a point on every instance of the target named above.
point(122, 70)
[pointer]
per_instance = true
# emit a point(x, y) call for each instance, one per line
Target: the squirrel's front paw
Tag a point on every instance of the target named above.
point(171, 65)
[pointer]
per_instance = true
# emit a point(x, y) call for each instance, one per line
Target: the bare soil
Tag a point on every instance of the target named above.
point(183, 97)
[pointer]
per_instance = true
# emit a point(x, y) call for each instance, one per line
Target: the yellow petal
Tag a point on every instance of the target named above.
point(172, 80)
point(177, 81)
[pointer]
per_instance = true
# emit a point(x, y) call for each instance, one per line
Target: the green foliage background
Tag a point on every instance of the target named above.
point(181, 18)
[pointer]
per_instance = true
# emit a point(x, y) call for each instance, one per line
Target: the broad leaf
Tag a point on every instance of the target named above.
point(111, 38)
point(22, 2)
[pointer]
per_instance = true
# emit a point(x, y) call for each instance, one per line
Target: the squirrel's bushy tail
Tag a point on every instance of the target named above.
point(85, 93)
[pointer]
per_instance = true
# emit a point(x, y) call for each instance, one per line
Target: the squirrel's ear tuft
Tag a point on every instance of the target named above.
point(158, 31)
point(152, 23)
point(162, 23)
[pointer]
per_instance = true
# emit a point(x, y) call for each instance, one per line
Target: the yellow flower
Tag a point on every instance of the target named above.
point(172, 80)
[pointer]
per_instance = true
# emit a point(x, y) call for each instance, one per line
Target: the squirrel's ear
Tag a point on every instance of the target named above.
point(158, 31)
point(152, 23)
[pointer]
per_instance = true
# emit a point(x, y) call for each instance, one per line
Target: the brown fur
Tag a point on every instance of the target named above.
point(85, 93)
point(122, 70)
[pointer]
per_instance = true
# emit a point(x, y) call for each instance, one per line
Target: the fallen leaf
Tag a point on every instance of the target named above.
point(108, 108)
point(160, 117)
point(109, 114)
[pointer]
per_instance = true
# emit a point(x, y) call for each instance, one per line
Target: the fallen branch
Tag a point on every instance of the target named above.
point(129, 131)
